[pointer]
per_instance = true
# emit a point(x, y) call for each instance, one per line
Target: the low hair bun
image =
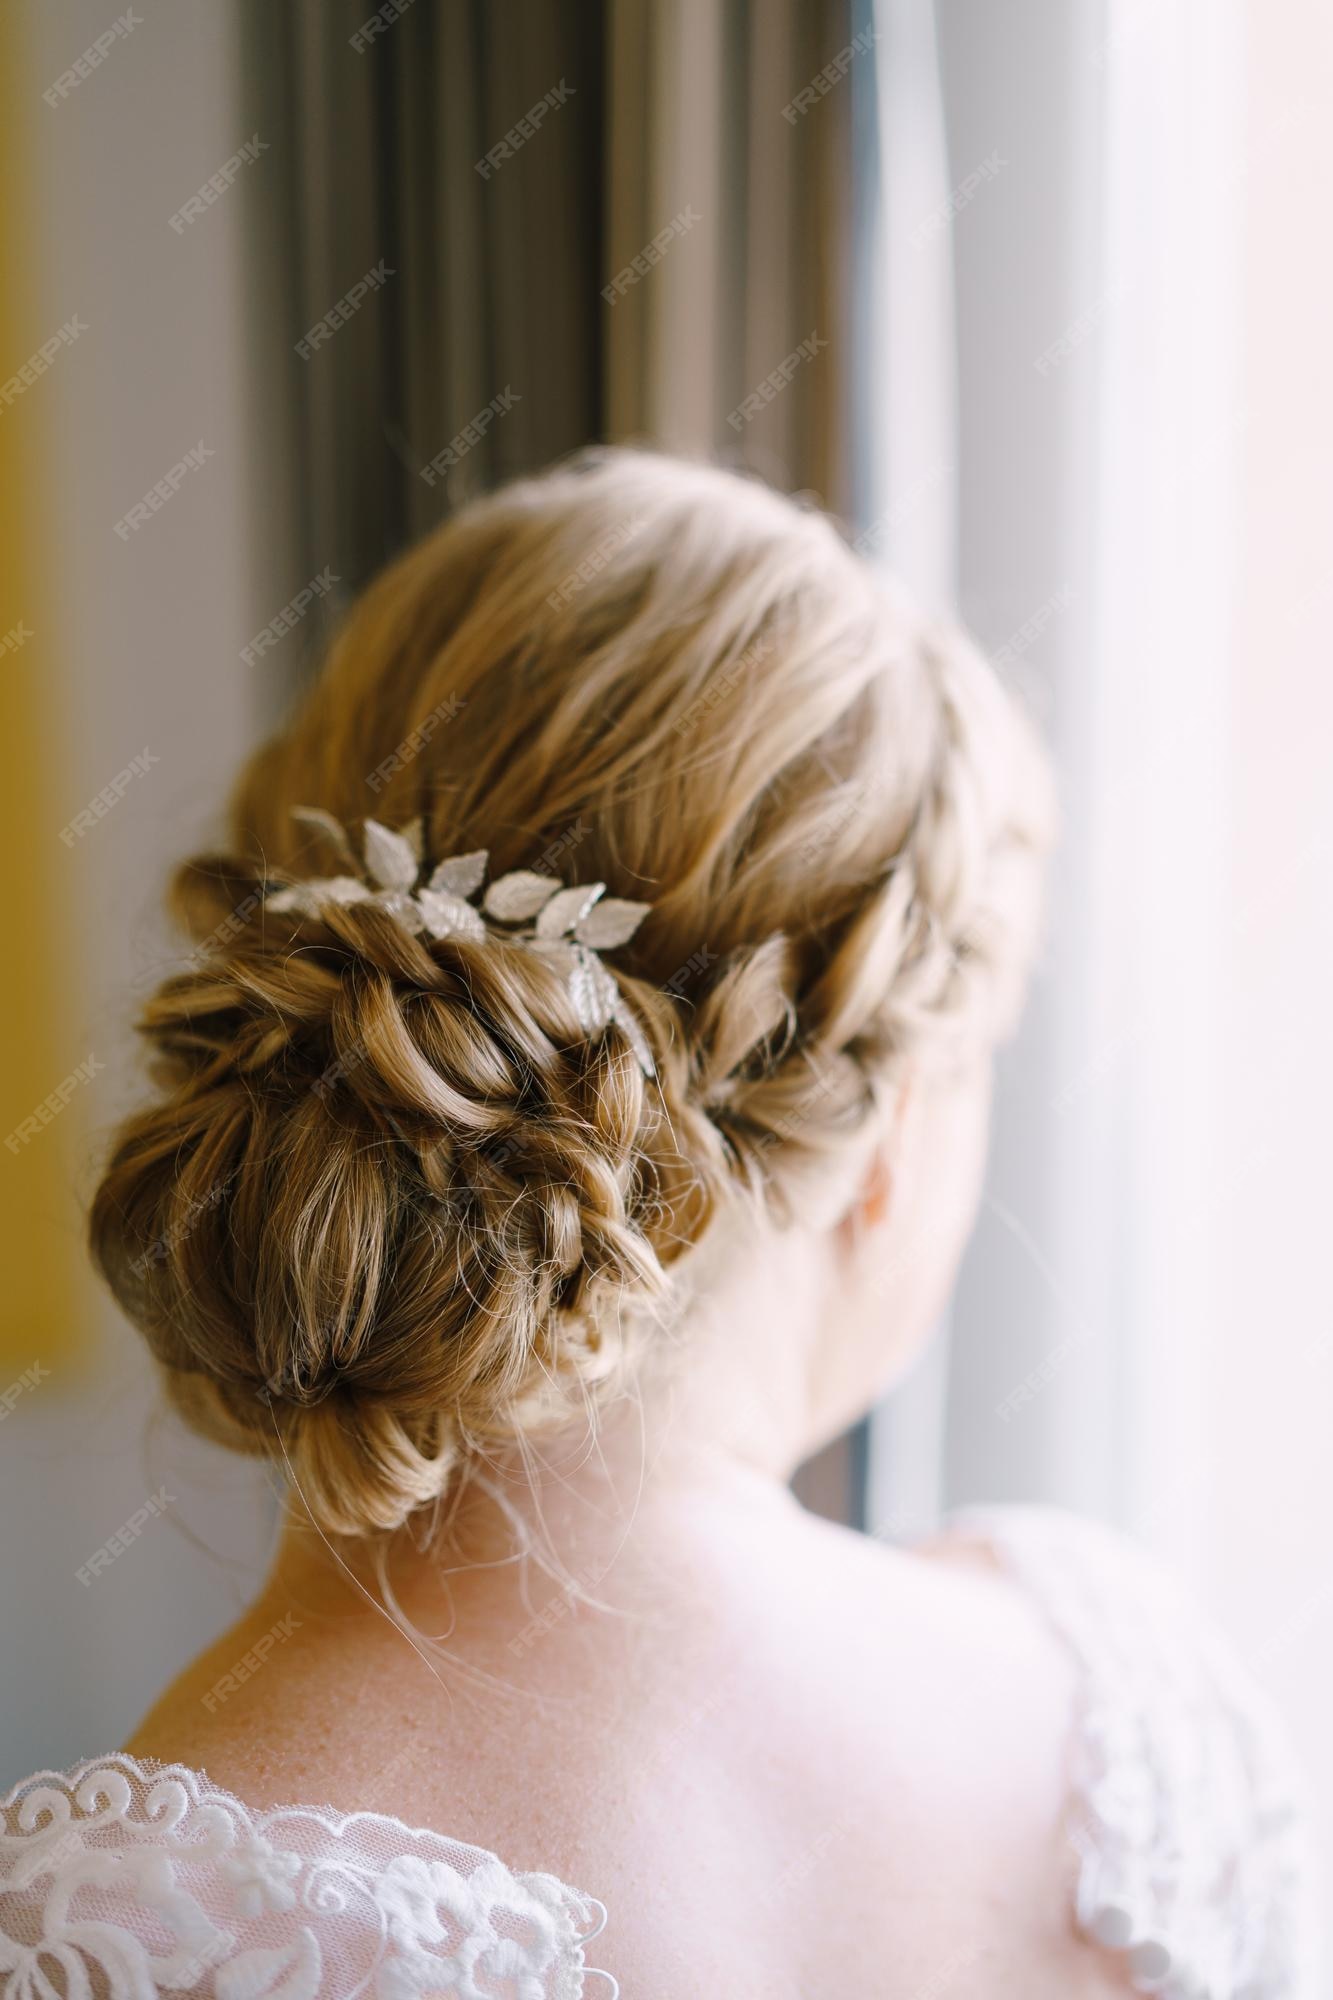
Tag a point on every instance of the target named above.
point(388, 1201)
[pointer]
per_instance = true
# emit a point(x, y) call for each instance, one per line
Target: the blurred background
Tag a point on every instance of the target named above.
point(1034, 294)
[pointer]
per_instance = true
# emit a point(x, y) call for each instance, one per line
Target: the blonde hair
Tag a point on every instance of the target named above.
point(393, 1206)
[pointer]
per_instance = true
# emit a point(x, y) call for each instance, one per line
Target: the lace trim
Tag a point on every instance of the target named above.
point(121, 1879)
point(1185, 1817)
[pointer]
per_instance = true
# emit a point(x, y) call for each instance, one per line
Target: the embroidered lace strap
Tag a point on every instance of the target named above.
point(1184, 1815)
point(122, 1880)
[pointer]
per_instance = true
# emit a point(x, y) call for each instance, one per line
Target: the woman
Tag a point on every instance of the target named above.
point(571, 1116)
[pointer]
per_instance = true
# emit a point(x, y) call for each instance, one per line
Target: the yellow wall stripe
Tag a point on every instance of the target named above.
point(41, 1282)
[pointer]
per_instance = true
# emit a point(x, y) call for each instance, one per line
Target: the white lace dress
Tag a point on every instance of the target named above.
point(120, 1880)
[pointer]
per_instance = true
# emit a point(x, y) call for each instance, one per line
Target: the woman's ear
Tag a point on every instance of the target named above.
point(875, 1192)
point(871, 1206)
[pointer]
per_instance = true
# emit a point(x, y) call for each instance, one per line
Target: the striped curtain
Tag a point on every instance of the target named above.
point(503, 233)
point(622, 220)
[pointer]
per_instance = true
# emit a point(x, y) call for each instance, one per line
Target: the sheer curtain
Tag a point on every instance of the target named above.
point(905, 407)
point(1081, 418)
point(984, 277)
point(1035, 1397)
point(1141, 443)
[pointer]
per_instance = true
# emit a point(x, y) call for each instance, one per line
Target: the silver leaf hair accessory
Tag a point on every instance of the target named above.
point(566, 927)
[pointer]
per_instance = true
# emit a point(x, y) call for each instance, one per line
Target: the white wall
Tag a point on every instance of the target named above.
point(150, 630)
point(1268, 1386)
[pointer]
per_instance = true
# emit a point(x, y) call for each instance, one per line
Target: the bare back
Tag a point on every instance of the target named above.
point(824, 1766)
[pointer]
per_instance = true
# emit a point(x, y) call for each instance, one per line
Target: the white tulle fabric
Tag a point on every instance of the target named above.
point(121, 1880)
point(1185, 1810)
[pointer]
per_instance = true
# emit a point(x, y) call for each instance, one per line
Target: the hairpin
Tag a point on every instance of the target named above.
point(568, 927)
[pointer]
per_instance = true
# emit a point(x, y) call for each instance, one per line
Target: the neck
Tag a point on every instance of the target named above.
point(590, 1507)
point(719, 1420)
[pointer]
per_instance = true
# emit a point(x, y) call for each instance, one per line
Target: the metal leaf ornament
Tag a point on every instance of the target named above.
point(567, 908)
point(329, 829)
point(610, 922)
point(515, 898)
point(445, 915)
point(394, 861)
point(462, 876)
point(567, 927)
point(306, 897)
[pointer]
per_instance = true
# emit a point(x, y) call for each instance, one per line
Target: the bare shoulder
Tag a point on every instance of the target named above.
point(965, 1712)
point(857, 1755)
